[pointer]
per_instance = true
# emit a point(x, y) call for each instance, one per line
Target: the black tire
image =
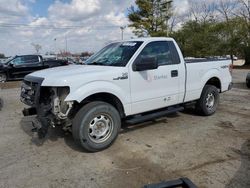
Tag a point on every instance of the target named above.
point(209, 100)
point(92, 117)
point(3, 77)
point(1, 103)
point(248, 83)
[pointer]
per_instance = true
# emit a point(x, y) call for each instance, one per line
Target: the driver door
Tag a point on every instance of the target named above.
point(158, 88)
point(14, 67)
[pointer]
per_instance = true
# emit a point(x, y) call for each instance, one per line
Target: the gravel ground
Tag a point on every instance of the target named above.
point(211, 151)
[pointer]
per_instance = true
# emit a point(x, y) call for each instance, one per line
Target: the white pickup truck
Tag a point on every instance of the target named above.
point(133, 81)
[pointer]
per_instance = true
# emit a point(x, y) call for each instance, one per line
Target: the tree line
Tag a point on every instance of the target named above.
point(2, 55)
point(208, 28)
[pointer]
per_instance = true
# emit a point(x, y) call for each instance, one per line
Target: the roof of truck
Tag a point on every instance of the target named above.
point(147, 39)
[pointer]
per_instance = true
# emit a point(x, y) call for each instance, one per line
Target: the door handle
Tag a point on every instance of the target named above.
point(174, 73)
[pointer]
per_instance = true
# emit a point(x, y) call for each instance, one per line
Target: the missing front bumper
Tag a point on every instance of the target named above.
point(40, 124)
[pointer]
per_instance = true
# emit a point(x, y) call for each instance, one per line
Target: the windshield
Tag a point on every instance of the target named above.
point(8, 60)
point(115, 54)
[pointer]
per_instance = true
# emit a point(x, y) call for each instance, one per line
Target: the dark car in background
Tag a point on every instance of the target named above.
point(248, 80)
point(19, 66)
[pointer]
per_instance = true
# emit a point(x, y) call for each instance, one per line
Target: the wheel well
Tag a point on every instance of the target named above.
point(215, 82)
point(108, 98)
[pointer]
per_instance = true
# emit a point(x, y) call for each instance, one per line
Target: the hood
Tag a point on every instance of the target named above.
point(65, 71)
point(65, 75)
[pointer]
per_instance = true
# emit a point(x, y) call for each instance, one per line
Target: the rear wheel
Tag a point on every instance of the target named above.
point(209, 100)
point(96, 126)
point(1, 103)
point(3, 77)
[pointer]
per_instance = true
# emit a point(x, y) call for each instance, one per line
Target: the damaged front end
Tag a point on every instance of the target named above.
point(47, 103)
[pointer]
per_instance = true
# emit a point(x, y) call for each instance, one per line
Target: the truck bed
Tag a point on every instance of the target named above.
point(200, 70)
point(200, 60)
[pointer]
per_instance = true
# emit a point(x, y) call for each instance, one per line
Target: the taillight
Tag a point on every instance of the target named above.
point(231, 68)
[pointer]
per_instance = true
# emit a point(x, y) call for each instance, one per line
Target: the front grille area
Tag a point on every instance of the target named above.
point(30, 89)
point(28, 93)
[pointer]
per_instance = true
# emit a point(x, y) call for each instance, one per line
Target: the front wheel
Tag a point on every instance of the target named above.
point(96, 126)
point(3, 77)
point(209, 100)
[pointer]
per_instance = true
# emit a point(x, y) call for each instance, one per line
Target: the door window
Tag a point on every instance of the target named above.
point(162, 51)
point(25, 60)
point(31, 59)
point(17, 61)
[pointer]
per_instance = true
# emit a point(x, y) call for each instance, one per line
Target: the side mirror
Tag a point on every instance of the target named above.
point(11, 64)
point(147, 63)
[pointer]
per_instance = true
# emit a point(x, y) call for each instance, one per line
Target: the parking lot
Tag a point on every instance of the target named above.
point(212, 151)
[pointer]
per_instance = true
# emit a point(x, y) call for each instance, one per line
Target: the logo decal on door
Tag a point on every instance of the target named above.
point(151, 77)
point(159, 77)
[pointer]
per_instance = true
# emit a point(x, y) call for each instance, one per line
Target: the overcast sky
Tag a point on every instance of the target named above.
point(87, 25)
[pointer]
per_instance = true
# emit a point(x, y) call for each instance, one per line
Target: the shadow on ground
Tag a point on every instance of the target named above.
point(240, 86)
point(53, 134)
point(242, 176)
point(57, 133)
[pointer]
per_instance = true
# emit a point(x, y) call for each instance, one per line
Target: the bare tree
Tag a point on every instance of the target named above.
point(243, 12)
point(37, 47)
point(226, 8)
point(244, 9)
point(202, 11)
point(173, 21)
point(194, 11)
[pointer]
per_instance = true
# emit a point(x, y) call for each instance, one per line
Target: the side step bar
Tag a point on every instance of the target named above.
point(154, 115)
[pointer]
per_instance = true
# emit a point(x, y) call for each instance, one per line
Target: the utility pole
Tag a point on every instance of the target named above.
point(66, 44)
point(122, 29)
point(66, 47)
point(55, 47)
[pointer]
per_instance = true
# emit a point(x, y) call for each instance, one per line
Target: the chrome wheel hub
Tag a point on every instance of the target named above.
point(100, 128)
point(210, 101)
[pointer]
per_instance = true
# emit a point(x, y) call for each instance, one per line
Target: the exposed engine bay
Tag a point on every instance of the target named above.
point(48, 104)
